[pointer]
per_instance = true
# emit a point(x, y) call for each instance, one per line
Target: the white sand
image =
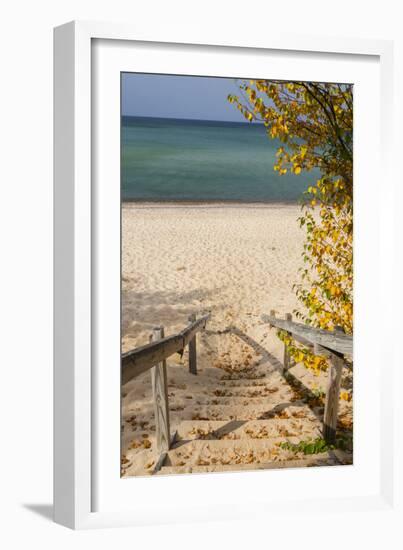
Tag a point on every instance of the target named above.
point(238, 262)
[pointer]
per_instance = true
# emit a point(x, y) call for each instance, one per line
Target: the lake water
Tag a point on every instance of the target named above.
point(192, 160)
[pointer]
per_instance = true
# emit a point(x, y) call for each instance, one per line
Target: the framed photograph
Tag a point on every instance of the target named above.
point(218, 238)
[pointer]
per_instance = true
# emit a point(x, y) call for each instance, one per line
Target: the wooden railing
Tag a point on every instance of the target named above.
point(153, 356)
point(334, 345)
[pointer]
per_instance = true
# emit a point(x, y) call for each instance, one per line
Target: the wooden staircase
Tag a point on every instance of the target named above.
point(233, 420)
point(268, 415)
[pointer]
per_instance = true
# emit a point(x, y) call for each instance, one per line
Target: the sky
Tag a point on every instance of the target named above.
point(169, 96)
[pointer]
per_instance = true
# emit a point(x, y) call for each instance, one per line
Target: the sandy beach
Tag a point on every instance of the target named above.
point(237, 262)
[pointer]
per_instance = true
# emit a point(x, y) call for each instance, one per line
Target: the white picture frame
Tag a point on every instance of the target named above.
point(79, 311)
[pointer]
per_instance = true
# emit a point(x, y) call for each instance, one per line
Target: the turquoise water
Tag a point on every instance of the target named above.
point(174, 160)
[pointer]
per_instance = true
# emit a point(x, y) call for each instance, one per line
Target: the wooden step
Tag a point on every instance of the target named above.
point(249, 382)
point(331, 458)
point(223, 452)
point(229, 412)
point(268, 380)
point(245, 429)
point(247, 391)
point(236, 401)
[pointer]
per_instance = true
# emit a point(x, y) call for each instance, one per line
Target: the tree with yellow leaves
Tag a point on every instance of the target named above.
point(314, 125)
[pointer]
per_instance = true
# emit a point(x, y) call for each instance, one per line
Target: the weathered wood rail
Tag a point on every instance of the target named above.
point(153, 356)
point(139, 360)
point(335, 345)
point(335, 341)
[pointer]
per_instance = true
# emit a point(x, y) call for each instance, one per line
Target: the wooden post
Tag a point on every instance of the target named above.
point(332, 395)
point(160, 393)
point(286, 361)
point(192, 349)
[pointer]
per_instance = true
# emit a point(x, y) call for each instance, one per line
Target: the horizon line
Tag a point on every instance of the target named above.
point(193, 119)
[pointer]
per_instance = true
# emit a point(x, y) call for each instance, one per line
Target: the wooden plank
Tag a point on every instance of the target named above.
point(163, 456)
point(160, 462)
point(286, 359)
point(272, 314)
point(334, 341)
point(303, 341)
point(330, 458)
point(192, 349)
point(196, 326)
point(139, 360)
point(332, 398)
point(160, 394)
point(296, 337)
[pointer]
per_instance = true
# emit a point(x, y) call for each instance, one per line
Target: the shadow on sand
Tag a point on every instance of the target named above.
point(258, 348)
